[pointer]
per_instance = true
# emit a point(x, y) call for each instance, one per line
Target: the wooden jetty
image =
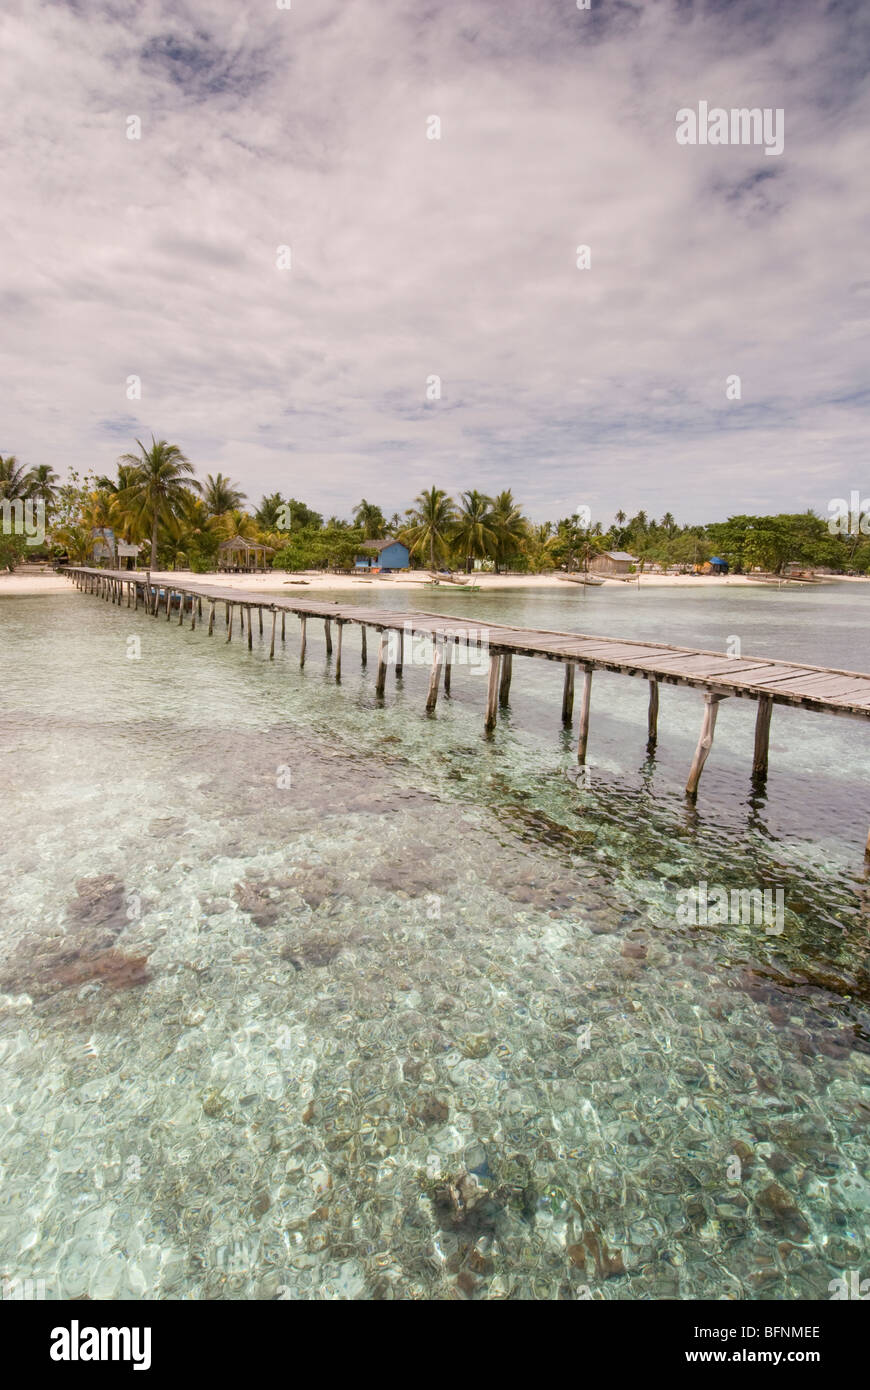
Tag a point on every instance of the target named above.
point(717, 675)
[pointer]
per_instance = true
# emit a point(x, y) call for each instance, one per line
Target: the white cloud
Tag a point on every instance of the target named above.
point(455, 257)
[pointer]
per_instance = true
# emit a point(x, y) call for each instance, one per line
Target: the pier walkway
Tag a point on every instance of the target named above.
point(769, 682)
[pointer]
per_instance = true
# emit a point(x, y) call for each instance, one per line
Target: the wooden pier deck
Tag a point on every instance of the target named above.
point(769, 682)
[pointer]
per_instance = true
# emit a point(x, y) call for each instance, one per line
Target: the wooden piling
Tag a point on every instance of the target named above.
point(492, 692)
point(212, 607)
point(400, 654)
point(363, 653)
point(568, 694)
point(448, 665)
point(762, 737)
point(250, 630)
point(260, 611)
point(434, 677)
point(193, 613)
point(705, 742)
point(504, 688)
point(381, 678)
point(340, 626)
point(283, 616)
point(327, 629)
point(302, 645)
point(230, 607)
point(272, 643)
point(583, 733)
point(653, 713)
point(181, 598)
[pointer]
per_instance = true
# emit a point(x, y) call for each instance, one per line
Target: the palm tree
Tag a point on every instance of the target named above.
point(237, 523)
point(13, 477)
point(510, 527)
point(221, 495)
point(160, 485)
point(473, 534)
point(370, 518)
point(41, 483)
point(429, 524)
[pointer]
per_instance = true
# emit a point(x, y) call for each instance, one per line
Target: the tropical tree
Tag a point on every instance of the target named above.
point(160, 487)
point(220, 494)
point(474, 536)
point(13, 477)
point(430, 525)
point(370, 519)
point(510, 528)
point(41, 483)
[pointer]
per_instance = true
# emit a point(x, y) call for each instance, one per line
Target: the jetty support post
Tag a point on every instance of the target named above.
point(381, 679)
point(250, 629)
point(230, 607)
point(583, 734)
point(302, 621)
point(653, 714)
point(762, 737)
point(340, 626)
point(568, 693)
point(363, 654)
point(327, 628)
point(492, 690)
point(283, 620)
point(400, 654)
point(434, 676)
point(449, 646)
point(272, 643)
point(212, 607)
point(504, 685)
point(705, 742)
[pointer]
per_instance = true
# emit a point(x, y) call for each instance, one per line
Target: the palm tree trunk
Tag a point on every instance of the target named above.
point(154, 542)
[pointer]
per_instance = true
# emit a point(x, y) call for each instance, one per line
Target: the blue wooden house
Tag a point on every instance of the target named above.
point(386, 556)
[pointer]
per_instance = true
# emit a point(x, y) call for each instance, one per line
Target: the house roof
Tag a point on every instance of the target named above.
point(380, 545)
point(620, 555)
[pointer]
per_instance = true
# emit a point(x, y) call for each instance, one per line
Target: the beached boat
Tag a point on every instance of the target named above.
point(580, 579)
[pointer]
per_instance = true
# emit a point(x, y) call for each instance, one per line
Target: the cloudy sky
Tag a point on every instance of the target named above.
point(413, 257)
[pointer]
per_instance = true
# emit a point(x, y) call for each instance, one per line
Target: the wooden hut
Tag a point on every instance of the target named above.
point(238, 556)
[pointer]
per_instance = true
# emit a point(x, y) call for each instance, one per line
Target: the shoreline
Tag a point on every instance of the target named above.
point(29, 584)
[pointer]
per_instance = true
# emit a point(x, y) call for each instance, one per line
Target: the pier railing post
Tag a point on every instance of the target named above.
point(492, 691)
point(762, 737)
point(434, 676)
point(583, 734)
point(568, 693)
point(381, 678)
point(504, 685)
point(705, 742)
point(653, 714)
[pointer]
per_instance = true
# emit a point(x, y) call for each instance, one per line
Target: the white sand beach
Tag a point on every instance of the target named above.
point(28, 582)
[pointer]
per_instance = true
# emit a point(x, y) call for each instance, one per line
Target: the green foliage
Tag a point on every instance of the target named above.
point(330, 547)
point(13, 549)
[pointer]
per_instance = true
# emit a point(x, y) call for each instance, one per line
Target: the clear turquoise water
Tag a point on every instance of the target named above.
point(279, 966)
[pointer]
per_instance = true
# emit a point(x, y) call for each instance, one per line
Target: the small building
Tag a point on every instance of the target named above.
point(613, 562)
point(238, 556)
point(386, 556)
point(718, 565)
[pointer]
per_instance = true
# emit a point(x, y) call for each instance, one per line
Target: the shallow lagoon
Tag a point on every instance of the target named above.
point(279, 967)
